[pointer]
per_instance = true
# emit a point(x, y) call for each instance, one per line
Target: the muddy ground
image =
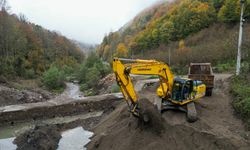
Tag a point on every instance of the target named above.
point(13, 96)
point(217, 127)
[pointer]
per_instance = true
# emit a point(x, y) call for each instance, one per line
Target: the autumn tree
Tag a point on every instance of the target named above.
point(230, 11)
point(121, 50)
point(106, 52)
point(27, 48)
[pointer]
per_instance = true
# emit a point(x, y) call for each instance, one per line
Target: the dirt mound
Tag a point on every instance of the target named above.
point(11, 96)
point(122, 131)
point(105, 84)
point(39, 138)
point(150, 119)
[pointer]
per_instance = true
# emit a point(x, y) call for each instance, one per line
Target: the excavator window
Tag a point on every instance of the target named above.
point(182, 89)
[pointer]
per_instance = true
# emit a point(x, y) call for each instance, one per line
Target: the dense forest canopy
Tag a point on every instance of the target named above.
point(27, 49)
point(176, 26)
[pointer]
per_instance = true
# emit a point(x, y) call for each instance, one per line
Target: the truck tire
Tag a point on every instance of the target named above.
point(209, 91)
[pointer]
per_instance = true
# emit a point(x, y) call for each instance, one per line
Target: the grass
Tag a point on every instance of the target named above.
point(26, 84)
point(224, 67)
point(240, 89)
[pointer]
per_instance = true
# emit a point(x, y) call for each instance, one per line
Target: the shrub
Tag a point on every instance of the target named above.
point(83, 87)
point(230, 11)
point(240, 89)
point(224, 67)
point(92, 76)
point(81, 75)
point(53, 79)
point(243, 106)
point(68, 70)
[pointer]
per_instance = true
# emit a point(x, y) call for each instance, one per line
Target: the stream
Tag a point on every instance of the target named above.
point(73, 91)
point(74, 139)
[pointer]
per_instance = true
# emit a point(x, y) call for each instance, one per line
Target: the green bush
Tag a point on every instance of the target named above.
point(225, 67)
point(89, 92)
point(68, 70)
point(53, 79)
point(240, 88)
point(90, 72)
point(83, 87)
point(92, 76)
point(243, 106)
point(81, 75)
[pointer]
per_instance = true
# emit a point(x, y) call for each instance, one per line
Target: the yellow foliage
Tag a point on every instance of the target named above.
point(106, 51)
point(182, 48)
point(122, 50)
point(201, 7)
point(181, 44)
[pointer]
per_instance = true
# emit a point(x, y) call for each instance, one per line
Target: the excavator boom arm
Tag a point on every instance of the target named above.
point(141, 67)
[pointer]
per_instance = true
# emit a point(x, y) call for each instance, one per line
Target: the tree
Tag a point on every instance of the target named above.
point(230, 11)
point(92, 76)
point(29, 48)
point(217, 4)
point(4, 6)
point(53, 78)
point(106, 52)
point(121, 50)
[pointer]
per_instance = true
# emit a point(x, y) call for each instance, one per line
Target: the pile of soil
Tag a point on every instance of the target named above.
point(40, 138)
point(122, 131)
point(11, 96)
point(105, 84)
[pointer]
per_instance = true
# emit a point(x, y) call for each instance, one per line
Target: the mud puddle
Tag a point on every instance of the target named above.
point(74, 139)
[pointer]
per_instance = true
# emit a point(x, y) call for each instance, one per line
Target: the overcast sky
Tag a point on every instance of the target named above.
point(84, 20)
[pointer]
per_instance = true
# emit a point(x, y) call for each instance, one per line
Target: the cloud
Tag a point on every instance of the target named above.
point(83, 20)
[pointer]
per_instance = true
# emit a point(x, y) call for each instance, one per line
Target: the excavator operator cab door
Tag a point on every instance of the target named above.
point(182, 90)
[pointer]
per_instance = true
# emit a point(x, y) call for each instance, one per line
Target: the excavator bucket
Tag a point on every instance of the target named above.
point(147, 111)
point(150, 116)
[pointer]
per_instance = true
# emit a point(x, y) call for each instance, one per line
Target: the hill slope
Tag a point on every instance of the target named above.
point(193, 30)
point(29, 49)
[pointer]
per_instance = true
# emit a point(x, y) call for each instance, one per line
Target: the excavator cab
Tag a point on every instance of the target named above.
point(182, 89)
point(185, 90)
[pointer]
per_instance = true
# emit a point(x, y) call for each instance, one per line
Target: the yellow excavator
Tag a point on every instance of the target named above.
point(173, 93)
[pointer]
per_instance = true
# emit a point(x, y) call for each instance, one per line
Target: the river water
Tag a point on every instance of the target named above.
point(73, 91)
point(73, 139)
point(7, 144)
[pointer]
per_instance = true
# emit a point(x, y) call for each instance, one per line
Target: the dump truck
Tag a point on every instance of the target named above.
point(204, 73)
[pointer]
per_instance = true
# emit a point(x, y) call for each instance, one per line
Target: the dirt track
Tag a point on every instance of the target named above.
point(217, 127)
